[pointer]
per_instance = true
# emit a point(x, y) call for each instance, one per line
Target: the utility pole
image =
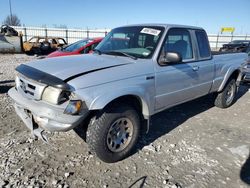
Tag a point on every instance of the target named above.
point(10, 13)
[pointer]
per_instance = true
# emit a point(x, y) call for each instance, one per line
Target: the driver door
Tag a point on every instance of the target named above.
point(175, 83)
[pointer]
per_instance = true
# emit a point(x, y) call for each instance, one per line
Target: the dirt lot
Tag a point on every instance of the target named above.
point(191, 145)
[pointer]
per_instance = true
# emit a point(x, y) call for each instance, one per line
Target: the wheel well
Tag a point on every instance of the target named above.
point(132, 100)
point(235, 75)
point(135, 102)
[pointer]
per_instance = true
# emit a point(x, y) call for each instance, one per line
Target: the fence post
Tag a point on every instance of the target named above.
point(87, 33)
point(46, 32)
point(67, 38)
point(217, 40)
point(246, 37)
point(25, 33)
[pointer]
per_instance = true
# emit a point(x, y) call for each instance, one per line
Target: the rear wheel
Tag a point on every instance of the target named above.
point(113, 133)
point(226, 98)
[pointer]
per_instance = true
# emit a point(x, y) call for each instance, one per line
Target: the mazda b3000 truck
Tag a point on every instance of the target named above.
point(134, 73)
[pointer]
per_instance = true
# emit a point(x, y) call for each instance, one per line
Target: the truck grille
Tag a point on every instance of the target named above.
point(29, 88)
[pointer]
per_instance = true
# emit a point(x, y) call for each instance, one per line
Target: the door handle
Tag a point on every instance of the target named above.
point(195, 68)
point(150, 77)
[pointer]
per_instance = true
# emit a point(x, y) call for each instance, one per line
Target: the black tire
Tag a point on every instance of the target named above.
point(223, 100)
point(99, 130)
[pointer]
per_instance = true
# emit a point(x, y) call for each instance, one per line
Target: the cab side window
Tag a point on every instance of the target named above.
point(179, 41)
point(204, 49)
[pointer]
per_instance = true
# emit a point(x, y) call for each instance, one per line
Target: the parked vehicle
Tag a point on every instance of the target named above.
point(43, 45)
point(8, 31)
point(10, 40)
point(236, 46)
point(151, 68)
point(80, 47)
point(246, 71)
point(248, 50)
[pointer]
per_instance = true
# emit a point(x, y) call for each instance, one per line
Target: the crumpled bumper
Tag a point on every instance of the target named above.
point(39, 116)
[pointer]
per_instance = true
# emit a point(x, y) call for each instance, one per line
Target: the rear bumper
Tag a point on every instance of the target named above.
point(38, 114)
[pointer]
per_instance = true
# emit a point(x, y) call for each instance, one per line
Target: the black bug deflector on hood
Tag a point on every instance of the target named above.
point(42, 77)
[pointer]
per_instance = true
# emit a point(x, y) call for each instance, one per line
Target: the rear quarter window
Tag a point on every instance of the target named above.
point(203, 44)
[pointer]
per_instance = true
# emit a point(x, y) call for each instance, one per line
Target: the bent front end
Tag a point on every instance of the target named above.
point(44, 106)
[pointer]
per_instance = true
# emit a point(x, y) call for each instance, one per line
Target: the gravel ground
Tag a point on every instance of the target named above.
point(191, 145)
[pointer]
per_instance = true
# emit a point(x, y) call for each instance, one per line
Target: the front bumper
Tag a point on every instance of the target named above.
point(43, 116)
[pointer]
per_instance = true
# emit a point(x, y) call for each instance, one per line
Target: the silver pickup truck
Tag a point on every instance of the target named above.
point(134, 73)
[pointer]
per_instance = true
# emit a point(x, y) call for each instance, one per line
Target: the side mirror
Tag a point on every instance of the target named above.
point(169, 58)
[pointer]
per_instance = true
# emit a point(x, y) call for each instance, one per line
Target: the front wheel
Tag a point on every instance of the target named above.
point(226, 98)
point(113, 133)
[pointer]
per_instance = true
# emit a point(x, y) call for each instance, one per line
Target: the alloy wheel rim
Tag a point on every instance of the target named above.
point(230, 94)
point(120, 134)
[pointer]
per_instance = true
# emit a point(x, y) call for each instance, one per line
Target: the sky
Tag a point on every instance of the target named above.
point(101, 14)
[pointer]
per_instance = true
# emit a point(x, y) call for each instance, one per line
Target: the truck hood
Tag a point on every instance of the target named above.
point(82, 71)
point(70, 67)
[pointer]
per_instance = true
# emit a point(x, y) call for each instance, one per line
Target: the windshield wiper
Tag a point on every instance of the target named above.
point(98, 51)
point(120, 53)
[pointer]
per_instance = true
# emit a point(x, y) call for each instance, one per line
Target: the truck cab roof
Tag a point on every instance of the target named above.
point(164, 25)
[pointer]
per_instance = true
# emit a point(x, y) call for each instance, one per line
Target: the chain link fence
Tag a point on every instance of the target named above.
point(70, 35)
point(216, 41)
point(73, 35)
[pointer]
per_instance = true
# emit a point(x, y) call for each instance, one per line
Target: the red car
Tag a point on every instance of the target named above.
point(80, 47)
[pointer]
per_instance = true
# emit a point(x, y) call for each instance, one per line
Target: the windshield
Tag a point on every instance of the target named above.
point(136, 41)
point(75, 46)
